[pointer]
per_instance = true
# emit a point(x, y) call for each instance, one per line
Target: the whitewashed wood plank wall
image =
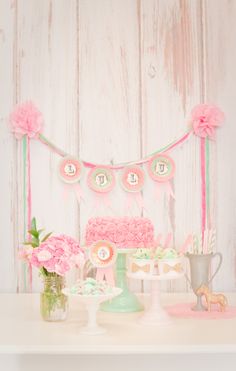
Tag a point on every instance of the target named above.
point(116, 80)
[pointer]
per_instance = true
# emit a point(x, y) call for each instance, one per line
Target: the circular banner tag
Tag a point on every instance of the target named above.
point(103, 254)
point(132, 179)
point(70, 169)
point(161, 168)
point(101, 179)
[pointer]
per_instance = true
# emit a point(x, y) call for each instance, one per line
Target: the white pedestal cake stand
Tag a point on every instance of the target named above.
point(156, 314)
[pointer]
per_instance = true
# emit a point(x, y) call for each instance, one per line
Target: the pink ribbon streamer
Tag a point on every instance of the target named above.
point(107, 274)
point(78, 192)
point(29, 205)
point(76, 188)
point(139, 200)
point(66, 190)
point(203, 184)
point(166, 188)
point(179, 141)
point(158, 239)
point(131, 198)
point(186, 244)
point(29, 196)
point(168, 240)
point(102, 199)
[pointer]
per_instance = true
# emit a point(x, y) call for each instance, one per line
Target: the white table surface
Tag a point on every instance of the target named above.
point(24, 333)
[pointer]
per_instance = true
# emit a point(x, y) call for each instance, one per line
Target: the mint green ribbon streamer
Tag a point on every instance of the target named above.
point(171, 145)
point(25, 201)
point(208, 182)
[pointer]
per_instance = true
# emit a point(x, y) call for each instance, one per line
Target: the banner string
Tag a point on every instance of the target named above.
point(118, 166)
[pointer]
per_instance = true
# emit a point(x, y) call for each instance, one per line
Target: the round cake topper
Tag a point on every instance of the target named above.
point(103, 254)
point(101, 179)
point(161, 168)
point(132, 179)
point(70, 169)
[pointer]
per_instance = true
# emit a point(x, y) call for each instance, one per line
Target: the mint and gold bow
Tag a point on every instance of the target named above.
point(175, 268)
point(137, 268)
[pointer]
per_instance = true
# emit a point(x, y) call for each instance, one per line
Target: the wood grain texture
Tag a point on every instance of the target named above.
point(8, 194)
point(220, 59)
point(109, 100)
point(108, 92)
point(171, 86)
point(116, 80)
point(47, 74)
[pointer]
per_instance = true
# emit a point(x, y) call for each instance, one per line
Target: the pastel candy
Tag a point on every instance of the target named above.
point(143, 253)
point(170, 253)
point(159, 252)
point(91, 287)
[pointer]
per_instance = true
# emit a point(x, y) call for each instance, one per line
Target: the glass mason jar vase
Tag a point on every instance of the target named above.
point(53, 303)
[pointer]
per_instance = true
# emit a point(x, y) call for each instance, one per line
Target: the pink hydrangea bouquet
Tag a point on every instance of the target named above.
point(52, 254)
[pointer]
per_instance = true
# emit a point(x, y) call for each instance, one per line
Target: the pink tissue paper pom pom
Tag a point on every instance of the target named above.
point(205, 118)
point(26, 119)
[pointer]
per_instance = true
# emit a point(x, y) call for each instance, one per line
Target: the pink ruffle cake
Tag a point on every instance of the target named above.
point(125, 232)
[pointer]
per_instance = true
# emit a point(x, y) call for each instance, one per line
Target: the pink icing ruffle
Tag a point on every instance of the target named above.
point(125, 232)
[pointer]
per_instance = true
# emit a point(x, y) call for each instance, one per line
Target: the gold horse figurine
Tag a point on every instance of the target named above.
point(212, 298)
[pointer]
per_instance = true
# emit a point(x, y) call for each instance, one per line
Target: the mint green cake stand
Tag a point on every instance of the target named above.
point(126, 301)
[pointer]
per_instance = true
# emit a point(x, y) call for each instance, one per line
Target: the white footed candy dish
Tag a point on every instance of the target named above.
point(92, 293)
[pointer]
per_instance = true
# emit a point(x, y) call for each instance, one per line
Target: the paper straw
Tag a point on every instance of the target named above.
point(213, 240)
point(188, 242)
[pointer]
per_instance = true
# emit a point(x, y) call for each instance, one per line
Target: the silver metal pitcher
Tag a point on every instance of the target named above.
point(200, 272)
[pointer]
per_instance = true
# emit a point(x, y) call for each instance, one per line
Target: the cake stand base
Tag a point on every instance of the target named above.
point(126, 302)
point(155, 315)
point(152, 317)
point(96, 330)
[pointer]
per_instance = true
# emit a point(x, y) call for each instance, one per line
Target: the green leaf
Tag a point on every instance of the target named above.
point(40, 231)
point(44, 272)
point(46, 237)
point(34, 233)
point(33, 224)
point(36, 241)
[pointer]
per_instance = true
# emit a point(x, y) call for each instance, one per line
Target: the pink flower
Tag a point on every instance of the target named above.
point(26, 119)
point(25, 253)
point(205, 119)
point(57, 254)
point(78, 260)
point(62, 267)
point(44, 255)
